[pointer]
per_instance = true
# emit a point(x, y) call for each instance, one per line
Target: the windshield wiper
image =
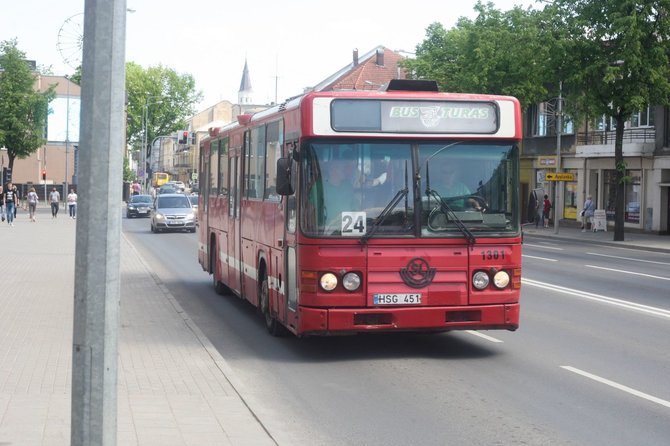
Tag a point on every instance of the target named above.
point(385, 213)
point(450, 212)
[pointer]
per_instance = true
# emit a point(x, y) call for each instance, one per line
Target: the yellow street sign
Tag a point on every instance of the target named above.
point(561, 176)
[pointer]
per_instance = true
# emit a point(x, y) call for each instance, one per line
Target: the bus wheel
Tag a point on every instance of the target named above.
point(219, 287)
point(272, 324)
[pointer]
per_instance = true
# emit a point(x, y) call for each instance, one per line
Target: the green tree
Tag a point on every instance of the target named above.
point(496, 53)
point(616, 65)
point(165, 97)
point(23, 111)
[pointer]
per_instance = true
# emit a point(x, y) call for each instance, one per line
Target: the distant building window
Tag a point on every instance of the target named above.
point(543, 120)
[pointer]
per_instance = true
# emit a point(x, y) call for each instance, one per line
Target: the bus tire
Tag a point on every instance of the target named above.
point(274, 327)
point(219, 287)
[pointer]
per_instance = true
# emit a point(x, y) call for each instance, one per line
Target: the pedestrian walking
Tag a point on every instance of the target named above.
point(587, 212)
point(54, 199)
point(72, 204)
point(32, 203)
point(2, 203)
point(17, 201)
point(10, 202)
point(546, 209)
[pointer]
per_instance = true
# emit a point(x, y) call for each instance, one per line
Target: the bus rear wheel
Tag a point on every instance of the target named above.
point(219, 287)
point(274, 327)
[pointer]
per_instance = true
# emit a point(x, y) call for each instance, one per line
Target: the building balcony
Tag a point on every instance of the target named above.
point(600, 143)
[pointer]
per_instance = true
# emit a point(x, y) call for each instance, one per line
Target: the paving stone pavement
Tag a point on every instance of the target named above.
point(174, 388)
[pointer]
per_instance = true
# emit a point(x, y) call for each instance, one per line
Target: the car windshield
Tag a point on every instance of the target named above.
point(141, 199)
point(193, 199)
point(173, 202)
point(401, 188)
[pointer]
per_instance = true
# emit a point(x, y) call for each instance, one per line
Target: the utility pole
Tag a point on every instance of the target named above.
point(558, 185)
point(67, 138)
point(97, 266)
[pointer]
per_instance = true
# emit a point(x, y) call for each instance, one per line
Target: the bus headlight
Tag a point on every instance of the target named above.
point(501, 279)
point(328, 281)
point(480, 280)
point(351, 281)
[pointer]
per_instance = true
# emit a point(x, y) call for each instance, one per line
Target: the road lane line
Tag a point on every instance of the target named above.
point(539, 258)
point(618, 386)
point(628, 272)
point(532, 245)
point(483, 336)
point(628, 258)
point(600, 298)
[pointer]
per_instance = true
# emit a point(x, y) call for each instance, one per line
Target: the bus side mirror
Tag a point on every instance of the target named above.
point(284, 186)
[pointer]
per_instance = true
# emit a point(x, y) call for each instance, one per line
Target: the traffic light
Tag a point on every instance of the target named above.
point(183, 137)
point(192, 140)
point(44, 174)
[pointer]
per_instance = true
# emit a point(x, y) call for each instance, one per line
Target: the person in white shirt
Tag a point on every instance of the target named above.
point(72, 204)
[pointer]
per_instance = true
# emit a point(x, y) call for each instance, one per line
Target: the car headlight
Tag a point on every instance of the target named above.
point(351, 281)
point(480, 280)
point(328, 281)
point(501, 279)
point(159, 216)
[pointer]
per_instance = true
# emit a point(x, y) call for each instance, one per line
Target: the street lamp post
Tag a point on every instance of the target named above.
point(558, 206)
point(143, 153)
point(67, 136)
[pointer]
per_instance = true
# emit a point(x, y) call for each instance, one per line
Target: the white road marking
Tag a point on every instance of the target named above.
point(532, 245)
point(539, 258)
point(483, 336)
point(628, 272)
point(618, 386)
point(628, 258)
point(600, 298)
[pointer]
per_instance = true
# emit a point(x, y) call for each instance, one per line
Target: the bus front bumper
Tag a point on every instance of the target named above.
point(320, 321)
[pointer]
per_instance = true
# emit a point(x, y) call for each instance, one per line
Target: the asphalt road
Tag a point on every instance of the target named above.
point(589, 365)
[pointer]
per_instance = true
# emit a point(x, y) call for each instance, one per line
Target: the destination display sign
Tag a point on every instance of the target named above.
point(392, 116)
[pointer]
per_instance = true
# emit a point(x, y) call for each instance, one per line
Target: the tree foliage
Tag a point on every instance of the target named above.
point(23, 111)
point(496, 53)
point(169, 99)
point(618, 65)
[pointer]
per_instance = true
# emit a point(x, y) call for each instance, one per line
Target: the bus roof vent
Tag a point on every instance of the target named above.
point(411, 85)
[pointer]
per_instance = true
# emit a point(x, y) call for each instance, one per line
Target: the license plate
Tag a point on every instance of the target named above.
point(143, 211)
point(396, 299)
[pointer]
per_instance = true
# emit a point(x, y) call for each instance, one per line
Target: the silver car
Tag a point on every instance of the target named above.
point(172, 212)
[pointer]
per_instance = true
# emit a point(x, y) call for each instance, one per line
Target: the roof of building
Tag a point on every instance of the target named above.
point(370, 71)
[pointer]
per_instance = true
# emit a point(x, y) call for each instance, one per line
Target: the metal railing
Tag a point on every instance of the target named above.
point(609, 136)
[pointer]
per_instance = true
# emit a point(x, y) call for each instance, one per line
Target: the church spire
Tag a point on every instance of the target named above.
point(244, 96)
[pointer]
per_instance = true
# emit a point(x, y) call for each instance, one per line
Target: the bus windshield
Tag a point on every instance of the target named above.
point(409, 189)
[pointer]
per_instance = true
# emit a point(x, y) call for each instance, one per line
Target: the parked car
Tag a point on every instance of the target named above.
point(172, 212)
point(139, 206)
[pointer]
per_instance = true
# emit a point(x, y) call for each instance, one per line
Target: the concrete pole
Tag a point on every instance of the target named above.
point(67, 142)
point(558, 185)
point(97, 286)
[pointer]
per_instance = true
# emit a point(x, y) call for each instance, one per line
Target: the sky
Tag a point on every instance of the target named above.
point(288, 45)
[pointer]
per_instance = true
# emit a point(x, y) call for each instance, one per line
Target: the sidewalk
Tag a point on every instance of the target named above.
point(174, 388)
point(648, 242)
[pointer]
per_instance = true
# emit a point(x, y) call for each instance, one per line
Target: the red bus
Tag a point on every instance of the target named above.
point(359, 211)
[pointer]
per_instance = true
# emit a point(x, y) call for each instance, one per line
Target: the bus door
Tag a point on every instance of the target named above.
point(287, 310)
point(234, 236)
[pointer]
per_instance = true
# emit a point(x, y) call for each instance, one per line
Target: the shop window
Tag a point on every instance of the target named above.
point(632, 196)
